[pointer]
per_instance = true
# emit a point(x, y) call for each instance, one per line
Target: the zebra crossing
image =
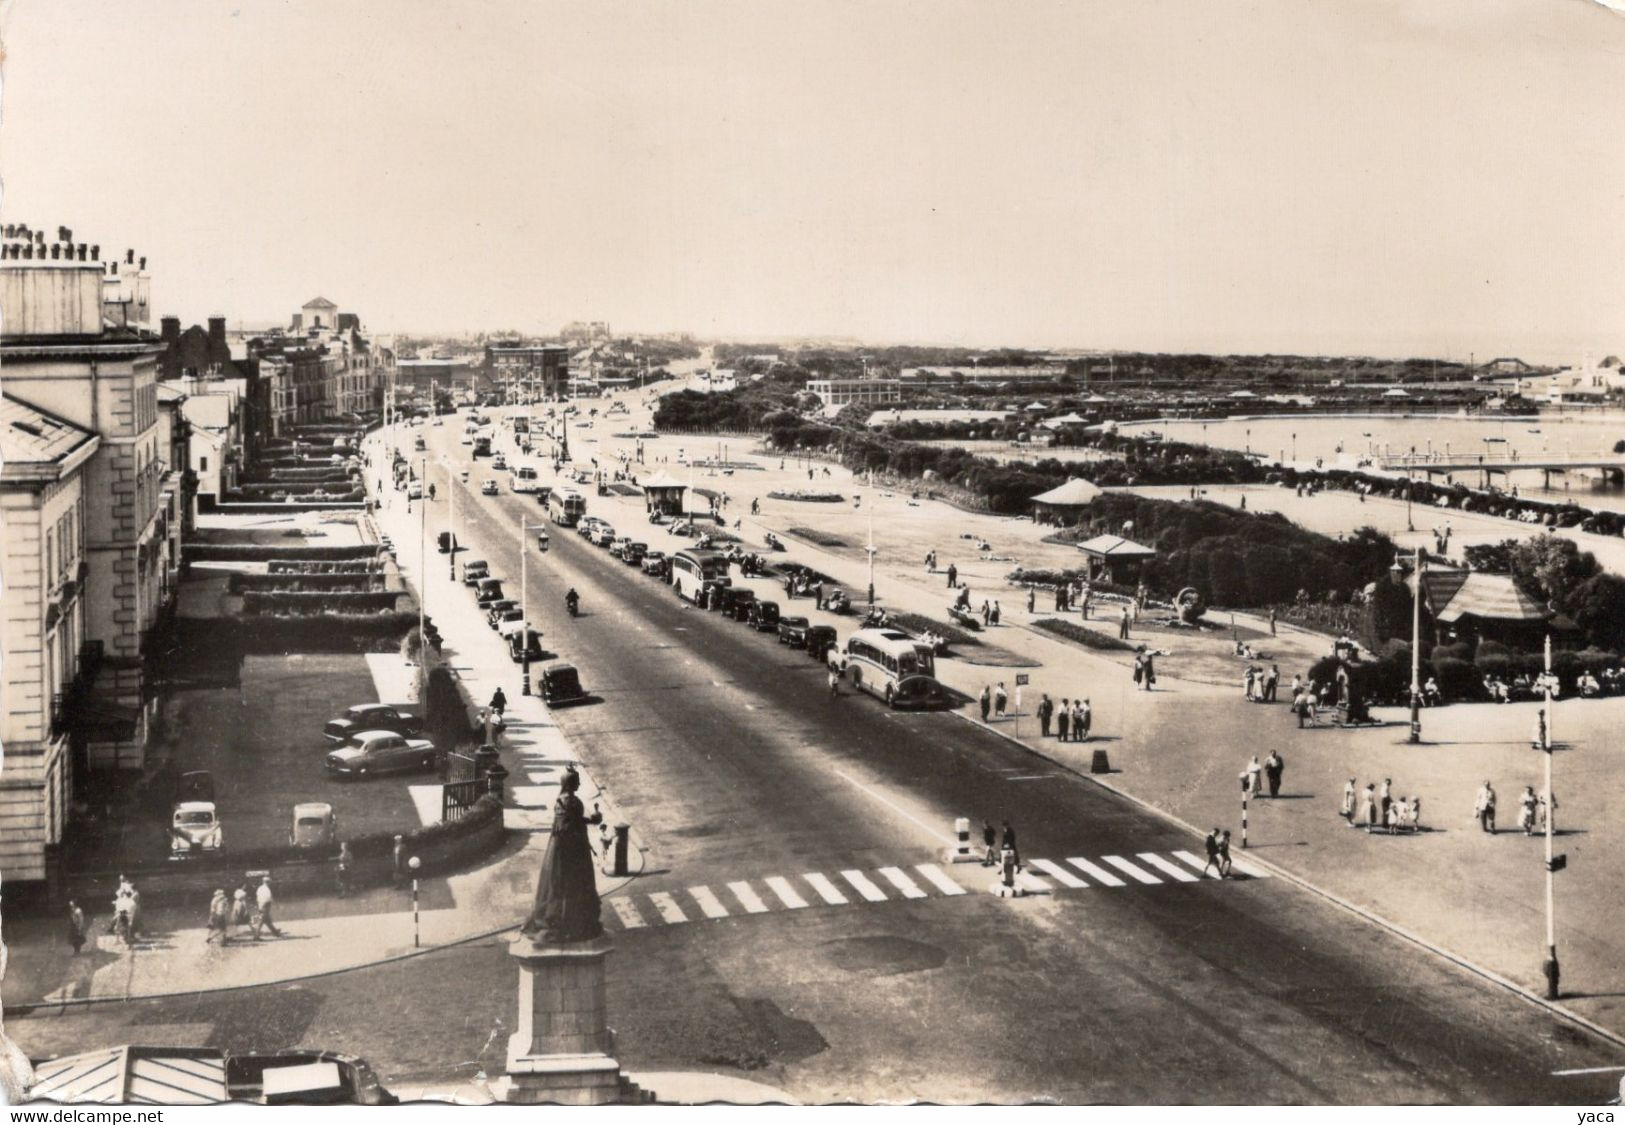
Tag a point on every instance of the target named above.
point(851, 886)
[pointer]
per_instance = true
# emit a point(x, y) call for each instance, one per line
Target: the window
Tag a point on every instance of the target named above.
point(203, 464)
point(50, 555)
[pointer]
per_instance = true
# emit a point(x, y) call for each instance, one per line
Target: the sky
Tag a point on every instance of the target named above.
point(1384, 177)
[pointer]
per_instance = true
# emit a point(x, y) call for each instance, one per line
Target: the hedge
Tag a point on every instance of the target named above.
point(257, 552)
point(288, 566)
point(264, 602)
point(283, 582)
point(332, 632)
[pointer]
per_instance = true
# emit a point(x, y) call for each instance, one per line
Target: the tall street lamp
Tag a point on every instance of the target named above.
point(1554, 864)
point(1419, 564)
point(524, 604)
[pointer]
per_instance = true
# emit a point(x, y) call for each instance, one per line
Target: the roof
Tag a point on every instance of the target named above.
point(1493, 597)
point(1116, 547)
point(142, 1075)
point(29, 435)
point(661, 479)
point(1063, 420)
point(1075, 491)
point(321, 302)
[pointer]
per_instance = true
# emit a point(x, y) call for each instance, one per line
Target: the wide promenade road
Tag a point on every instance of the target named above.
point(795, 914)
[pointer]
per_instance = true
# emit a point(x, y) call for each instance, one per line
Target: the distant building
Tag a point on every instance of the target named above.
point(540, 369)
point(836, 393)
point(989, 375)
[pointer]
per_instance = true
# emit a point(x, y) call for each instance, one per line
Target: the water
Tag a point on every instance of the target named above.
point(1343, 441)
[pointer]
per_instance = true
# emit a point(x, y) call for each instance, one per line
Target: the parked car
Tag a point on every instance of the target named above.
point(587, 526)
point(735, 602)
point(619, 544)
point(517, 648)
point(380, 751)
point(764, 616)
point(418, 444)
point(499, 463)
point(474, 570)
point(194, 827)
point(497, 612)
point(632, 553)
point(314, 825)
point(487, 591)
point(489, 488)
point(561, 683)
point(371, 716)
point(793, 631)
point(414, 491)
point(603, 535)
point(820, 639)
point(655, 563)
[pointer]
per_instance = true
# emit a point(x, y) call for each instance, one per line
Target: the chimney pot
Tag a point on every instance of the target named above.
point(129, 257)
point(96, 252)
point(143, 263)
point(56, 251)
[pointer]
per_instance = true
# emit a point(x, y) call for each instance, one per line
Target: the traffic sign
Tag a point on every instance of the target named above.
point(1021, 679)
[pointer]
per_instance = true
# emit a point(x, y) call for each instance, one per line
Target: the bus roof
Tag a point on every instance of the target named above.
point(886, 640)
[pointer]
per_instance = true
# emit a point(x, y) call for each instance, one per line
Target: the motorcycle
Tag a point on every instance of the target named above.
point(573, 605)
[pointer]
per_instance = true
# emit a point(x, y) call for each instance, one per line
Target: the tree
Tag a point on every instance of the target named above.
point(1598, 606)
point(1549, 568)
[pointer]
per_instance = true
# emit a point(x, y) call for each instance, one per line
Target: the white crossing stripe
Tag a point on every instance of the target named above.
point(1065, 877)
point(1095, 872)
point(1163, 865)
point(1248, 869)
point(628, 913)
point(895, 876)
point(1197, 864)
point(709, 903)
point(748, 898)
point(669, 910)
point(860, 883)
point(1031, 882)
point(1133, 872)
point(826, 890)
point(939, 879)
point(787, 894)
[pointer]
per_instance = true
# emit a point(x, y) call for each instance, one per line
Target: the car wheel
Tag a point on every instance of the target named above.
point(362, 772)
point(890, 702)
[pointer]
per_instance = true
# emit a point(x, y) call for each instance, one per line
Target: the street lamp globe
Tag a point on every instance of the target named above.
point(414, 863)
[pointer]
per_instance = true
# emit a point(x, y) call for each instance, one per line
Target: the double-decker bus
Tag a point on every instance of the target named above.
point(566, 506)
point(693, 571)
point(892, 665)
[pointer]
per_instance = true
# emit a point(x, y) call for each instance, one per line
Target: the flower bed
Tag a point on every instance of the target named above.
point(260, 603)
point(1079, 634)
point(255, 552)
point(807, 496)
point(816, 537)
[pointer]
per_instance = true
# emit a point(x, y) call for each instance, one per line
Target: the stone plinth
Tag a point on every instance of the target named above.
point(561, 1050)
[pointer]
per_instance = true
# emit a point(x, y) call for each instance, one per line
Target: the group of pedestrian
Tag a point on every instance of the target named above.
point(1145, 669)
point(227, 917)
point(994, 844)
point(994, 700)
point(1072, 719)
point(1533, 811)
point(1258, 686)
point(1266, 774)
point(990, 613)
point(1218, 852)
point(1376, 809)
point(1305, 702)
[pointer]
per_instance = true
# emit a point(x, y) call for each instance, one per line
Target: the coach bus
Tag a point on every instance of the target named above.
point(892, 665)
point(693, 571)
point(566, 506)
point(525, 479)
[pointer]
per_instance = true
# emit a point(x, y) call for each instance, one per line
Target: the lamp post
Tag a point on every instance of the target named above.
point(423, 557)
point(870, 549)
point(1420, 563)
point(1552, 865)
point(524, 605)
point(451, 524)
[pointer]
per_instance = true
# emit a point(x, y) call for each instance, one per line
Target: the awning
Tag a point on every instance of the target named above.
point(139, 1075)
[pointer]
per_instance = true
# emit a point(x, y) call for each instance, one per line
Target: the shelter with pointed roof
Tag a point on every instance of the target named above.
point(1472, 604)
point(1064, 504)
point(1115, 559)
point(663, 493)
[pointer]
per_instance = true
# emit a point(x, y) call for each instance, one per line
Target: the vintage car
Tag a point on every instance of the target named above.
point(819, 640)
point(561, 684)
point(530, 649)
point(487, 591)
point(499, 463)
point(498, 612)
point(620, 543)
point(314, 825)
point(194, 827)
point(587, 526)
point(418, 444)
point(603, 535)
point(380, 751)
point(489, 488)
point(371, 716)
point(734, 602)
point(474, 570)
point(632, 553)
point(764, 616)
point(793, 631)
point(655, 563)
point(414, 490)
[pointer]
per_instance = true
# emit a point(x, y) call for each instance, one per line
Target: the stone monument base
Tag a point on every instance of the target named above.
point(560, 1052)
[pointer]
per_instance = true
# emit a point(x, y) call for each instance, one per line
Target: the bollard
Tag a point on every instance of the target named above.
point(1099, 763)
point(623, 834)
point(961, 851)
point(1005, 886)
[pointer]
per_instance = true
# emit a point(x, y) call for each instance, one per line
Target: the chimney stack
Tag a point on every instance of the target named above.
point(129, 257)
point(143, 263)
point(219, 350)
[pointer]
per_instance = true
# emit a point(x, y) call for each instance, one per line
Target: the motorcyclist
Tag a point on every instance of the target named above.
point(572, 601)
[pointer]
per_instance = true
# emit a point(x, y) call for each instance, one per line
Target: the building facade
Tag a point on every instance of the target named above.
point(529, 371)
point(836, 393)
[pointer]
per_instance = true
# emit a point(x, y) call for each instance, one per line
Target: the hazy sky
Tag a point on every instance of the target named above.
point(1287, 175)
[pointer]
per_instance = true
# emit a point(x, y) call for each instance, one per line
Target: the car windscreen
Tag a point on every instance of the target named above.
point(194, 819)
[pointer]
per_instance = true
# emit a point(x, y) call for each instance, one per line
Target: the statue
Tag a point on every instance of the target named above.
point(567, 907)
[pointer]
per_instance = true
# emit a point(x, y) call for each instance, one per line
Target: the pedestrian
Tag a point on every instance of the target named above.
point(1274, 767)
point(78, 928)
point(1046, 710)
point(987, 613)
point(1139, 667)
point(240, 913)
point(1225, 863)
point(1272, 621)
point(999, 700)
point(1150, 672)
point(1247, 684)
point(1538, 740)
point(1060, 597)
point(264, 901)
point(1063, 720)
point(1083, 719)
point(343, 873)
point(1122, 626)
point(1526, 810)
point(1484, 808)
point(1385, 796)
point(834, 683)
point(986, 701)
point(1212, 846)
point(1347, 811)
point(219, 918)
point(499, 702)
point(1032, 598)
point(1086, 595)
point(990, 839)
point(953, 576)
point(1255, 777)
point(1368, 805)
point(995, 614)
point(1007, 843)
point(1272, 679)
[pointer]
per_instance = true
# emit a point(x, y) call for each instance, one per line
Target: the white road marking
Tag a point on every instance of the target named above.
point(1164, 866)
point(787, 894)
point(1129, 869)
point(895, 876)
point(1095, 872)
point(1588, 1070)
point(1061, 874)
point(748, 898)
point(826, 890)
point(710, 905)
point(1032, 882)
point(1031, 777)
point(939, 879)
point(941, 837)
point(669, 910)
point(628, 913)
point(1198, 865)
point(860, 883)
